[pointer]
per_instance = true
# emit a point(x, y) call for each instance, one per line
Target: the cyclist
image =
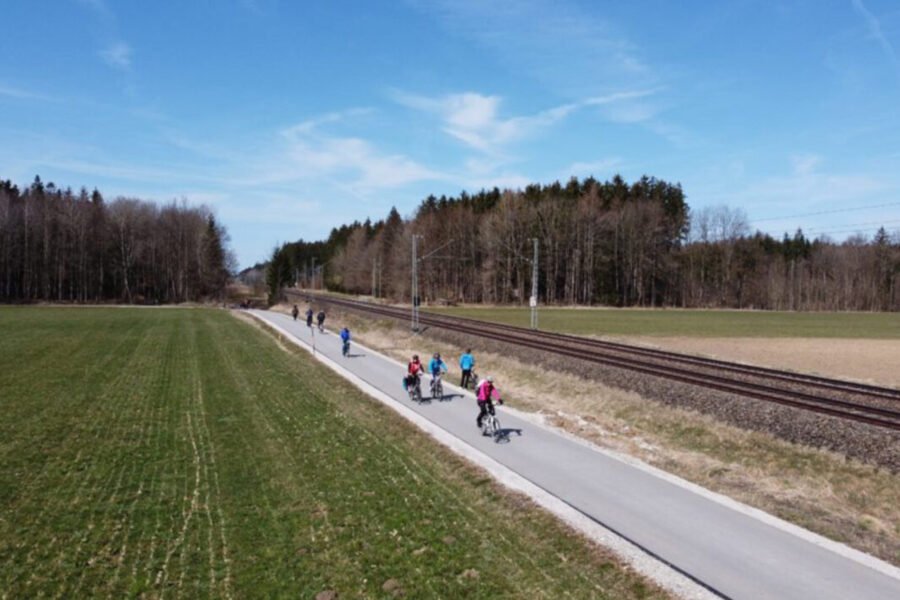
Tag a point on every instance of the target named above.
point(466, 363)
point(414, 370)
point(436, 367)
point(309, 317)
point(295, 312)
point(485, 393)
point(345, 338)
point(320, 318)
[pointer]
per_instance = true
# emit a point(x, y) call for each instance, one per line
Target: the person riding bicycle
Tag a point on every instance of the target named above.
point(485, 394)
point(467, 364)
point(320, 318)
point(414, 370)
point(309, 317)
point(345, 338)
point(295, 311)
point(436, 366)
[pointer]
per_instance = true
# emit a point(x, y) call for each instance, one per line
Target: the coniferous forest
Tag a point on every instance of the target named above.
point(61, 246)
point(610, 243)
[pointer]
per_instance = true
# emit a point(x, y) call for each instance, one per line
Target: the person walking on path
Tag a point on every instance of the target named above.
point(295, 312)
point(485, 394)
point(466, 363)
point(309, 316)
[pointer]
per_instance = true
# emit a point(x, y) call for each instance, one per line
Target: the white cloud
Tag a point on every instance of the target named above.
point(473, 118)
point(117, 55)
point(307, 153)
point(373, 169)
point(310, 125)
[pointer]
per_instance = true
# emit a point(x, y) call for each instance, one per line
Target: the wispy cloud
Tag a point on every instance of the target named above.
point(22, 94)
point(115, 52)
point(101, 167)
point(874, 27)
point(311, 153)
point(810, 185)
point(534, 37)
point(571, 50)
point(474, 118)
point(117, 55)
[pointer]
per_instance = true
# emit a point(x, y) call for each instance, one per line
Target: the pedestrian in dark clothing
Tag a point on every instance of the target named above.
point(309, 316)
point(295, 312)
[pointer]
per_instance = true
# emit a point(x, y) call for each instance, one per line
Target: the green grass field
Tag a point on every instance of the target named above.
point(694, 323)
point(152, 452)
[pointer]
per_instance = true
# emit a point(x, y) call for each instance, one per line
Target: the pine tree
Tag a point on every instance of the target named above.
point(278, 274)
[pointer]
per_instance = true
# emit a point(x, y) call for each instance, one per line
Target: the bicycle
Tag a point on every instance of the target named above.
point(415, 391)
point(437, 387)
point(345, 349)
point(490, 426)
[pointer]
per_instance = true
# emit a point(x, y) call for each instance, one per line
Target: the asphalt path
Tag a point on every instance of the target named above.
point(734, 552)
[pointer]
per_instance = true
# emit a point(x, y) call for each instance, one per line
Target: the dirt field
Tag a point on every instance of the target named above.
point(869, 361)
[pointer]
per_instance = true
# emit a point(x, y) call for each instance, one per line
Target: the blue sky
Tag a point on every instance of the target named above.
point(290, 118)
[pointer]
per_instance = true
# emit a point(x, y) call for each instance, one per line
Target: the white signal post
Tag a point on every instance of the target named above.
point(414, 321)
point(533, 301)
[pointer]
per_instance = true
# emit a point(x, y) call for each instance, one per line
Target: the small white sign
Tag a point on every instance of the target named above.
point(533, 302)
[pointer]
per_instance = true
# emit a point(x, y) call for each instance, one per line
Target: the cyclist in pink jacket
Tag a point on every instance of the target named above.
point(485, 394)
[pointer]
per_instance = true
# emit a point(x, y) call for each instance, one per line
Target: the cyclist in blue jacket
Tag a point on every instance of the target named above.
point(436, 367)
point(345, 338)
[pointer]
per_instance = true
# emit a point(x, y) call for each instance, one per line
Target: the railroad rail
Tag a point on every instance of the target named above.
point(859, 402)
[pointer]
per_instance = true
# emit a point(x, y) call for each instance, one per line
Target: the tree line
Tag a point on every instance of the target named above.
point(63, 246)
point(610, 243)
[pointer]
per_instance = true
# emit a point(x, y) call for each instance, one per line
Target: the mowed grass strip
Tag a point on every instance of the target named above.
point(169, 452)
point(694, 323)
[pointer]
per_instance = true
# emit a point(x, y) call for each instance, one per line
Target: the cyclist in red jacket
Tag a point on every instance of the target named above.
point(485, 394)
point(414, 370)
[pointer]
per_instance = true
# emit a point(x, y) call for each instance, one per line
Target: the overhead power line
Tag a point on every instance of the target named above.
point(870, 224)
point(827, 212)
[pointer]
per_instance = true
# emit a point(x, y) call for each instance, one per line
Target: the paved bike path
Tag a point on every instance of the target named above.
point(731, 551)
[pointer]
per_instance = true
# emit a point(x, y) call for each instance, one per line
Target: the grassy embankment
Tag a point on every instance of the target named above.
point(695, 323)
point(151, 451)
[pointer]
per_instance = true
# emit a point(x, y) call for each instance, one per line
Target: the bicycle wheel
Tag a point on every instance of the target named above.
point(439, 391)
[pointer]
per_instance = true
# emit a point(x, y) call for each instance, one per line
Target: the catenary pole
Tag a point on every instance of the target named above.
point(414, 321)
point(533, 301)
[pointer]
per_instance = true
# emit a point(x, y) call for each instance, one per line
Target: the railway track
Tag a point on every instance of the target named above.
point(863, 403)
